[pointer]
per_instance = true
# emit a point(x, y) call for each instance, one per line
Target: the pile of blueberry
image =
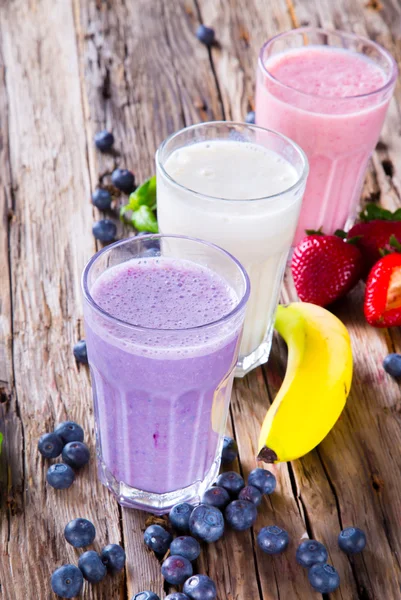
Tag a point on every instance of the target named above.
point(67, 581)
point(67, 440)
point(122, 179)
point(232, 502)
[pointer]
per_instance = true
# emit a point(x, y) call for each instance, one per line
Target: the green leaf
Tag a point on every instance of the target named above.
point(372, 212)
point(144, 219)
point(394, 243)
point(144, 195)
point(314, 231)
point(341, 234)
point(1, 440)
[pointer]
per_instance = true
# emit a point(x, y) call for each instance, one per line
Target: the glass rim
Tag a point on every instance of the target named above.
point(206, 124)
point(89, 298)
point(389, 57)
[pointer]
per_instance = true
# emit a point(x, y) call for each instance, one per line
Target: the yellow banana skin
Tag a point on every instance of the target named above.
point(316, 384)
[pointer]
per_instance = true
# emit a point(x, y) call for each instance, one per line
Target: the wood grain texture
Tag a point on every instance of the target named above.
point(135, 67)
point(50, 240)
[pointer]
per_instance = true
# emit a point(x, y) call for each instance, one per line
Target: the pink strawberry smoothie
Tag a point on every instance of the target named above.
point(328, 100)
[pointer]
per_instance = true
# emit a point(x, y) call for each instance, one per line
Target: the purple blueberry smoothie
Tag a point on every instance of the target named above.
point(162, 357)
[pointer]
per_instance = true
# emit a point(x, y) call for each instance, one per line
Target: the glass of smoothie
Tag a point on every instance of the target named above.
point(329, 92)
point(163, 321)
point(239, 186)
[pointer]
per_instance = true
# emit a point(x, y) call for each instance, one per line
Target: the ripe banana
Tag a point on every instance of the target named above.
point(316, 383)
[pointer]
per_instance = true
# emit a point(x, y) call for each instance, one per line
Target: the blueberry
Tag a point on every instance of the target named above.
point(205, 35)
point(80, 352)
point(273, 540)
point(392, 365)
point(113, 556)
point(176, 569)
point(76, 454)
point(91, 566)
point(177, 596)
point(263, 480)
point(323, 578)
point(146, 596)
point(232, 482)
point(67, 581)
point(185, 546)
point(216, 496)
point(157, 539)
point(352, 540)
point(70, 432)
point(104, 140)
point(104, 230)
point(179, 516)
point(60, 476)
point(123, 180)
point(241, 514)
point(250, 117)
point(101, 199)
point(206, 523)
point(200, 587)
point(311, 553)
point(230, 450)
point(50, 445)
point(80, 533)
point(252, 494)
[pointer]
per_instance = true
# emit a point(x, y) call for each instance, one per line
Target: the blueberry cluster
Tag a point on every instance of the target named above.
point(67, 440)
point(231, 501)
point(228, 501)
point(67, 581)
point(123, 180)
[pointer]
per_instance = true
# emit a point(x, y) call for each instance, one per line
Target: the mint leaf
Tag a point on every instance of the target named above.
point(144, 219)
point(144, 195)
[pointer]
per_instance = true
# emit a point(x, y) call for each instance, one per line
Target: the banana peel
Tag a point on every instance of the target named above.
point(316, 384)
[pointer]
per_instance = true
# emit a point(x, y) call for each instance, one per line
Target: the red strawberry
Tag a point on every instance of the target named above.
point(383, 292)
point(325, 267)
point(374, 232)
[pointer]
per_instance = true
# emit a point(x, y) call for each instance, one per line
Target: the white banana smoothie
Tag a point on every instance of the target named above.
point(241, 196)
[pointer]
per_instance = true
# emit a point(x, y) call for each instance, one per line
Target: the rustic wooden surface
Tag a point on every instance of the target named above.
point(67, 69)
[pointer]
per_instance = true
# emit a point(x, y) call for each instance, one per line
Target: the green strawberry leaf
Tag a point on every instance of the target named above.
point(394, 243)
point(372, 212)
point(314, 231)
point(341, 234)
point(144, 219)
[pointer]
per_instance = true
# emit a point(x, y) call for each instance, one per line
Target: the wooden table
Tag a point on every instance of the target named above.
point(69, 68)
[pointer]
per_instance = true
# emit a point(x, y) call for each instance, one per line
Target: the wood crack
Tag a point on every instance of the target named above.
point(212, 65)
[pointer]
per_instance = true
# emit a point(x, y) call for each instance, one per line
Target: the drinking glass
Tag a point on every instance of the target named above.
point(258, 231)
point(338, 132)
point(161, 396)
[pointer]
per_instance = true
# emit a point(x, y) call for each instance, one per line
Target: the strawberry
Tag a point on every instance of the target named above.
point(382, 305)
point(325, 268)
point(374, 231)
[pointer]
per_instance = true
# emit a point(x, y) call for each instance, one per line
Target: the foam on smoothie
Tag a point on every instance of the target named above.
point(166, 297)
point(327, 72)
point(231, 169)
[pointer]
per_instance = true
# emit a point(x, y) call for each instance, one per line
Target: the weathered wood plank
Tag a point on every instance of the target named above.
point(50, 241)
point(11, 467)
